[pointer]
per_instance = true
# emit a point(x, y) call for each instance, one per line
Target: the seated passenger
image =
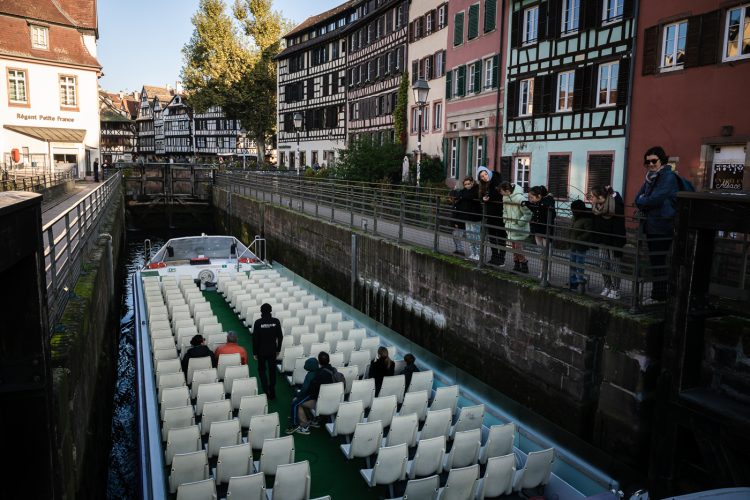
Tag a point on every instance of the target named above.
point(324, 375)
point(409, 369)
point(199, 350)
point(232, 347)
point(381, 367)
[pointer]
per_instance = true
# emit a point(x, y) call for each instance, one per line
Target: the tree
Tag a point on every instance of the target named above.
point(400, 114)
point(369, 161)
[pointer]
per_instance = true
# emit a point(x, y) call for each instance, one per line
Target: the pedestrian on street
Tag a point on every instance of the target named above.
point(656, 201)
point(608, 208)
point(267, 337)
point(96, 170)
point(489, 181)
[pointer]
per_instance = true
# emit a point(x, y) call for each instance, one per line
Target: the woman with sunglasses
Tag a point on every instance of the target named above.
point(656, 200)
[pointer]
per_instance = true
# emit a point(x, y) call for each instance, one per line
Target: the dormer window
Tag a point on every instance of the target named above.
point(40, 37)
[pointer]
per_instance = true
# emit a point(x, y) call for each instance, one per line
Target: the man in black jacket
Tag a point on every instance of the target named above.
point(267, 337)
point(323, 376)
point(198, 350)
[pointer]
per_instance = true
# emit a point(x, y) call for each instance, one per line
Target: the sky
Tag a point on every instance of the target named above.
point(140, 41)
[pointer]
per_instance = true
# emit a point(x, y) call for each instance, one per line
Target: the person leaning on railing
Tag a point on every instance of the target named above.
point(582, 235)
point(516, 217)
point(489, 181)
point(656, 201)
point(469, 215)
point(609, 227)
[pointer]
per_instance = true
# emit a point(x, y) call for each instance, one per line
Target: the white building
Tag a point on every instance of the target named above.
point(50, 101)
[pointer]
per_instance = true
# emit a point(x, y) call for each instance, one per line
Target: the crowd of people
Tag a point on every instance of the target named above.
point(597, 230)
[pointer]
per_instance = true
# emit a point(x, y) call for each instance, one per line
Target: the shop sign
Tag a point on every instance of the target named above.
point(45, 118)
point(728, 176)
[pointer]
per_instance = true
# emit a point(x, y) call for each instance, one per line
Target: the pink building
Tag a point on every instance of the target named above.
point(474, 65)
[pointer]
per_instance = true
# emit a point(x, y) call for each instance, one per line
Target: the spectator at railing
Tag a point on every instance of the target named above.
point(656, 201)
point(582, 236)
point(493, 202)
point(516, 216)
point(542, 206)
point(609, 225)
point(469, 215)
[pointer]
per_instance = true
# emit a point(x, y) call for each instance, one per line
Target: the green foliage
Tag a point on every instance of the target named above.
point(368, 161)
point(401, 111)
point(432, 170)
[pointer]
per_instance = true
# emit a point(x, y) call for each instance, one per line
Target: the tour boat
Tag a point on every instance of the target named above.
point(211, 433)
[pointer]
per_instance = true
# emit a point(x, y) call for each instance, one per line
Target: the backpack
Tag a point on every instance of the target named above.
point(684, 184)
point(338, 376)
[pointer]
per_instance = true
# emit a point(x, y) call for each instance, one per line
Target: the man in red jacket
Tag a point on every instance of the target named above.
point(232, 347)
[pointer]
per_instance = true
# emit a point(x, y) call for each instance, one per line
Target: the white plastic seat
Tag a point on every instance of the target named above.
point(445, 397)
point(428, 459)
point(161, 333)
point(214, 411)
point(324, 311)
point(233, 461)
point(403, 430)
point(157, 316)
point(465, 449)
point(286, 341)
point(199, 306)
point(366, 440)
point(334, 318)
point(345, 347)
point(461, 484)
point(329, 399)
point(395, 385)
point(498, 477)
point(363, 390)
point(182, 322)
point(214, 340)
point(168, 366)
point(226, 360)
point(421, 381)
point(345, 326)
point(349, 373)
point(262, 427)
point(198, 490)
point(437, 423)
point(251, 406)
point(241, 388)
point(360, 359)
point(415, 402)
point(250, 487)
point(469, 418)
point(159, 325)
point(178, 306)
point(204, 323)
point(321, 329)
point(170, 380)
point(160, 354)
point(307, 340)
point(536, 471)
point(174, 418)
point(337, 361)
point(349, 415)
point(173, 397)
point(499, 442)
point(422, 489)
point(233, 373)
point(289, 357)
point(314, 304)
point(209, 392)
point(288, 323)
point(275, 452)
point(383, 409)
point(202, 377)
point(185, 331)
point(390, 466)
point(318, 347)
point(212, 329)
point(292, 482)
point(297, 333)
point(370, 344)
point(188, 468)
point(195, 364)
point(223, 433)
point(298, 374)
point(333, 337)
point(182, 440)
point(311, 320)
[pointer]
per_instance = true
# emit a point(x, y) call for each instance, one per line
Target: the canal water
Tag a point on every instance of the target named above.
point(122, 483)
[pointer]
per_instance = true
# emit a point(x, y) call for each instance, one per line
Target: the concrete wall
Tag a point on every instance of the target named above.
point(84, 361)
point(580, 363)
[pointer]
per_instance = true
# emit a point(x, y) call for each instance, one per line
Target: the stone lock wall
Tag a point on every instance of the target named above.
point(584, 365)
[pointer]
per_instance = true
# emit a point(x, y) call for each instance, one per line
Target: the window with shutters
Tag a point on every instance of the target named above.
point(414, 119)
point(737, 33)
point(472, 80)
point(558, 171)
point(418, 28)
point(438, 115)
point(439, 63)
point(612, 10)
point(454, 158)
point(426, 119)
point(479, 140)
point(473, 22)
point(673, 46)
point(458, 29)
point(428, 73)
point(606, 90)
point(522, 172)
point(490, 13)
point(530, 25)
point(571, 16)
point(429, 23)
point(599, 171)
point(526, 97)
point(565, 85)
point(442, 14)
point(488, 71)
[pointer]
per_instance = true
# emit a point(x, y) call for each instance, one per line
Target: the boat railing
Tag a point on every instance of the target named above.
point(258, 247)
point(67, 237)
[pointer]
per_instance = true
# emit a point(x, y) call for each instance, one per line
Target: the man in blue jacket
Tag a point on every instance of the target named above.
point(657, 201)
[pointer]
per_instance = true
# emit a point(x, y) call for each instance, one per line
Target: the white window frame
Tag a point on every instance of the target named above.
point(442, 11)
point(571, 17)
point(438, 116)
point(612, 10)
point(429, 23)
point(425, 119)
point(454, 158)
point(470, 80)
point(68, 84)
point(674, 45)
point(489, 69)
point(438, 70)
point(480, 151)
point(565, 89)
point(454, 90)
point(611, 78)
point(522, 172)
point(39, 37)
point(530, 31)
point(526, 97)
point(743, 26)
point(414, 119)
point(14, 80)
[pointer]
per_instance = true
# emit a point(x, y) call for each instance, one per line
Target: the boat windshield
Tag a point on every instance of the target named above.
point(212, 247)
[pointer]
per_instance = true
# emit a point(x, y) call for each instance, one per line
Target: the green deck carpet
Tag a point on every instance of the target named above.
point(332, 473)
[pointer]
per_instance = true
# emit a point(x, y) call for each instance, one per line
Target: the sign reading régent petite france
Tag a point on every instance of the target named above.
point(46, 118)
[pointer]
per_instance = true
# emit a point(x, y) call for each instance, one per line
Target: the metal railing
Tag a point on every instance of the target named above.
point(66, 237)
point(24, 181)
point(425, 217)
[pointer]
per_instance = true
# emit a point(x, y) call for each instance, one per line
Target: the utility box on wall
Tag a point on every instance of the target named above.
point(25, 381)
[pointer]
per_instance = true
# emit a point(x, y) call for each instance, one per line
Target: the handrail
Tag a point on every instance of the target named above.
point(66, 237)
point(34, 182)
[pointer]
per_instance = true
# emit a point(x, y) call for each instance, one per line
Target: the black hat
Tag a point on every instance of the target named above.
point(265, 308)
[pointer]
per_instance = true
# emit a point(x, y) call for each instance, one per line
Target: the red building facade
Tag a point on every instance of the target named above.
point(691, 92)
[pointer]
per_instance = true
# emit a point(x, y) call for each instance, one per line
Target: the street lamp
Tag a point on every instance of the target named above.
point(297, 127)
point(421, 89)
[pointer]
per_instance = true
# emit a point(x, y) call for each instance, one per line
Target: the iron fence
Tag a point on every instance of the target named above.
point(425, 217)
point(27, 180)
point(67, 236)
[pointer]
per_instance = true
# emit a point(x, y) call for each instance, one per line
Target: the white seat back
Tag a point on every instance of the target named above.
point(292, 482)
point(299, 373)
point(437, 423)
point(198, 490)
point(469, 418)
point(195, 364)
point(275, 452)
point(226, 360)
point(403, 430)
point(182, 440)
point(233, 373)
point(223, 433)
point(383, 409)
point(445, 397)
point(366, 441)
point(174, 418)
point(214, 411)
point(318, 347)
point(461, 484)
point(333, 338)
point(349, 415)
point(188, 468)
point(429, 458)
point(233, 461)
point(337, 361)
point(499, 442)
point(425, 488)
point(350, 374)
point(251, 406)
point(345, 347)
point(329, 399)
point(465, 449)
point(286, 341)
point(390, 466)
point(360, 359)
point(357, 335)
point(421, 381)
point(370, 344)
point(171, 380)
point(307, 340)
point(498, 477)
point(363, 390)
point(250, 487)
point(289, 357)
point(536, 470)
point(415, 402)
point(395, 385)
point(173, 397)
point(212, 329)
point(262, 427)
point(207, 393)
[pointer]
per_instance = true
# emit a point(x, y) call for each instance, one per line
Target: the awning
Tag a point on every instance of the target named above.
point(50, 134)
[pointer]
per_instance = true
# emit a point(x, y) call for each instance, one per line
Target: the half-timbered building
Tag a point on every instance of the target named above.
point(177, 128)
point(473, 102)
point(428, 38)
point(376, 59)
point(311, 79)
point(150, 121)
point(215, 134)
point(568, 73)
point(117, 142)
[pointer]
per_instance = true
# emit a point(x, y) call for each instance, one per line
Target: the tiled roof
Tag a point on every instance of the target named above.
point(78, 13)
point(162, 93)
point(132, 107)
point(313, 20)
point(83, 12)
point(65, 43)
